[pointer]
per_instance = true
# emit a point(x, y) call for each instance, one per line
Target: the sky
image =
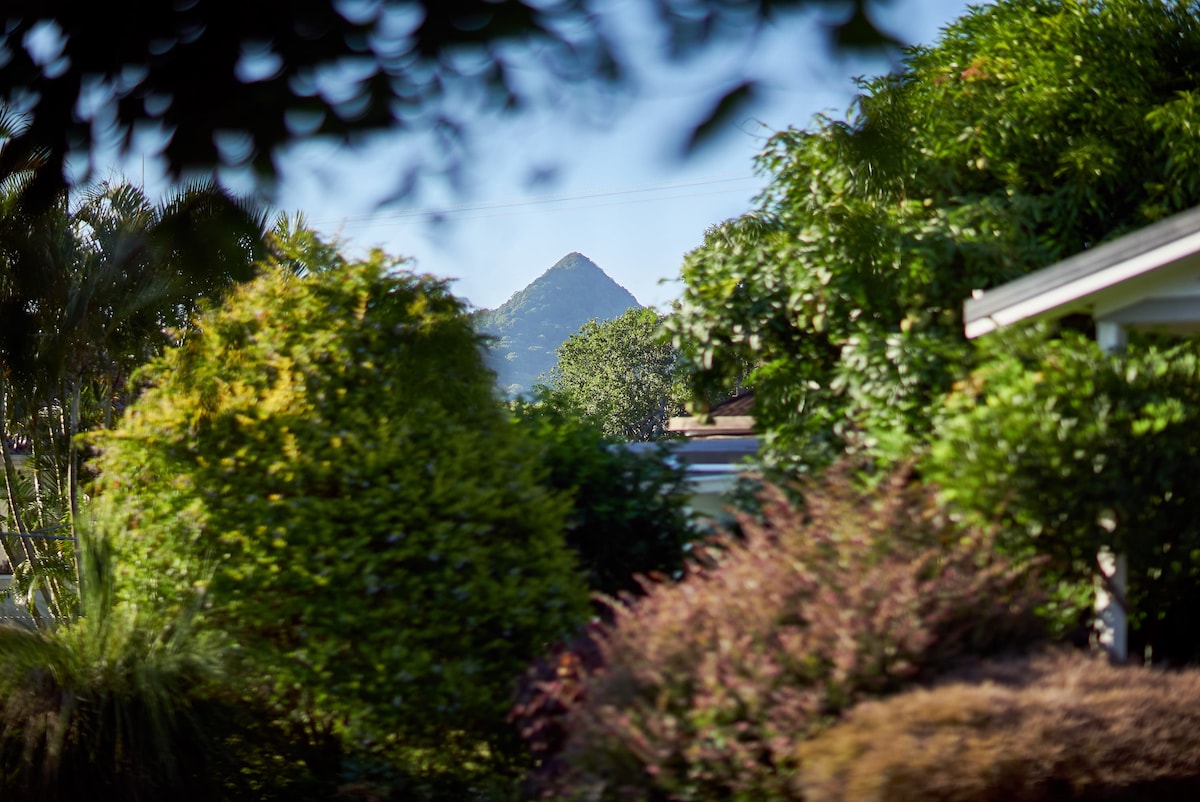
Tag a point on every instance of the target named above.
point(601, 174)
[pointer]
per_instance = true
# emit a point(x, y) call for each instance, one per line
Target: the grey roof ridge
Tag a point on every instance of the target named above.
point(1140, 251)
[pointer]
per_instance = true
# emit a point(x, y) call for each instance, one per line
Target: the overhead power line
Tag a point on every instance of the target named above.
point(543, 203)
point(500, 212)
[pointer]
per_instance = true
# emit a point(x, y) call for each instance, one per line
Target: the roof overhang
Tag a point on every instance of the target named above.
point(723, 426)
point(1149, 278)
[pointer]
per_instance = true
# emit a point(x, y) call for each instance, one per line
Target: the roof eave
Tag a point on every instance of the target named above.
point(1072, 282)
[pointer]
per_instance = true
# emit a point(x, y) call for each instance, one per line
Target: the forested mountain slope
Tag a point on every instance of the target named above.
point(535, 321)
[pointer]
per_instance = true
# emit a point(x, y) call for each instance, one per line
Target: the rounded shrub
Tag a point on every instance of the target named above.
point(329, 451)
point(706, 687)
point(629, 513)
point(1040, 729)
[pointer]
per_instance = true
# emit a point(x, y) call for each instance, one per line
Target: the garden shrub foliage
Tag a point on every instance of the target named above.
point(1068, 449)
point(629, 511)
point(328, 448)
point(1042, 729)
point(709, 684)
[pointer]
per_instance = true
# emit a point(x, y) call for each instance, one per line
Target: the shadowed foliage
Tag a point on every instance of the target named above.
point(628, 514)
point(91, 286)
point(231, 82)
point(117, 704)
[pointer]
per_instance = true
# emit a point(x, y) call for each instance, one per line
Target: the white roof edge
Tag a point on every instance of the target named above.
point(1075, 289)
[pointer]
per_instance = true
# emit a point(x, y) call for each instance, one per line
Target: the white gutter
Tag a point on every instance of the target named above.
point(1082, 287)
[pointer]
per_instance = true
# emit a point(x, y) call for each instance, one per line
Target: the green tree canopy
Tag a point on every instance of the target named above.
point(328, 448)
point(621, 374)
point(1031, 131)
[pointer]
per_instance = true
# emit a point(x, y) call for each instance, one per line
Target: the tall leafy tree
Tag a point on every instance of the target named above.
point(1032, 130)
point(620, 374)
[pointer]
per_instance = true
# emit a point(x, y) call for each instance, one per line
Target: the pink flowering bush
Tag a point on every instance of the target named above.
point(709, 685)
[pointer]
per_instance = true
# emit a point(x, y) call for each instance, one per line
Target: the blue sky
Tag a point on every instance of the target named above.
point(595, 172)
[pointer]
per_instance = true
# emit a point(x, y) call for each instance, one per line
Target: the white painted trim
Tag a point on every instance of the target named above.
point(1082, 287)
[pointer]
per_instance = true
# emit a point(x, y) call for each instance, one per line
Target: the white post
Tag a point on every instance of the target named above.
point(1112, 619)
point(1110, 608)
point(1111, 337)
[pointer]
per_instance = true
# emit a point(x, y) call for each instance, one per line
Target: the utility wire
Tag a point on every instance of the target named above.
point(506, 212)
point(456, 212)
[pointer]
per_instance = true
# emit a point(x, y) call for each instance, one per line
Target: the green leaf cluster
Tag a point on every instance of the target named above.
point(325, 460)
point(1031, 131)
point(620, 374)
point(1071, 450)
point(629, 513)
point(91, 286)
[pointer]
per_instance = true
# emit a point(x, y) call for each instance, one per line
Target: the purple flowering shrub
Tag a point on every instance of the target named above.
point(709, 685)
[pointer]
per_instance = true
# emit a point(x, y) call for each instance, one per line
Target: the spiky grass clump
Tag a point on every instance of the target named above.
point(117, 704)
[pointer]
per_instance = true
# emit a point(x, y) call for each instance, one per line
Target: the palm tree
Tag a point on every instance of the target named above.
point(141, 271)
point(21, 285)
point(89, 290)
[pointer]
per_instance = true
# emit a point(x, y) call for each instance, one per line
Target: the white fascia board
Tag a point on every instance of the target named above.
point(1079, 289)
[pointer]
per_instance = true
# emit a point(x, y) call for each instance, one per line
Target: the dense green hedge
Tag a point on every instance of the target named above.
point(629, 513)
point(328, 449)
point(1067, 449)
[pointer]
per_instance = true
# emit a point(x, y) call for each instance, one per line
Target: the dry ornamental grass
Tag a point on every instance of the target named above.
point(1052, 727)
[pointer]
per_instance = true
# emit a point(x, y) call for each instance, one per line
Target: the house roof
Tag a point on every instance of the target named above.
point(731, 418)
point(739, 405)
point(1148, 278)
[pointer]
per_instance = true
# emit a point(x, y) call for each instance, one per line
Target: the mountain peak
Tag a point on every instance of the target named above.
point(574, 259)
point(535, 321)
point(577, 275)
